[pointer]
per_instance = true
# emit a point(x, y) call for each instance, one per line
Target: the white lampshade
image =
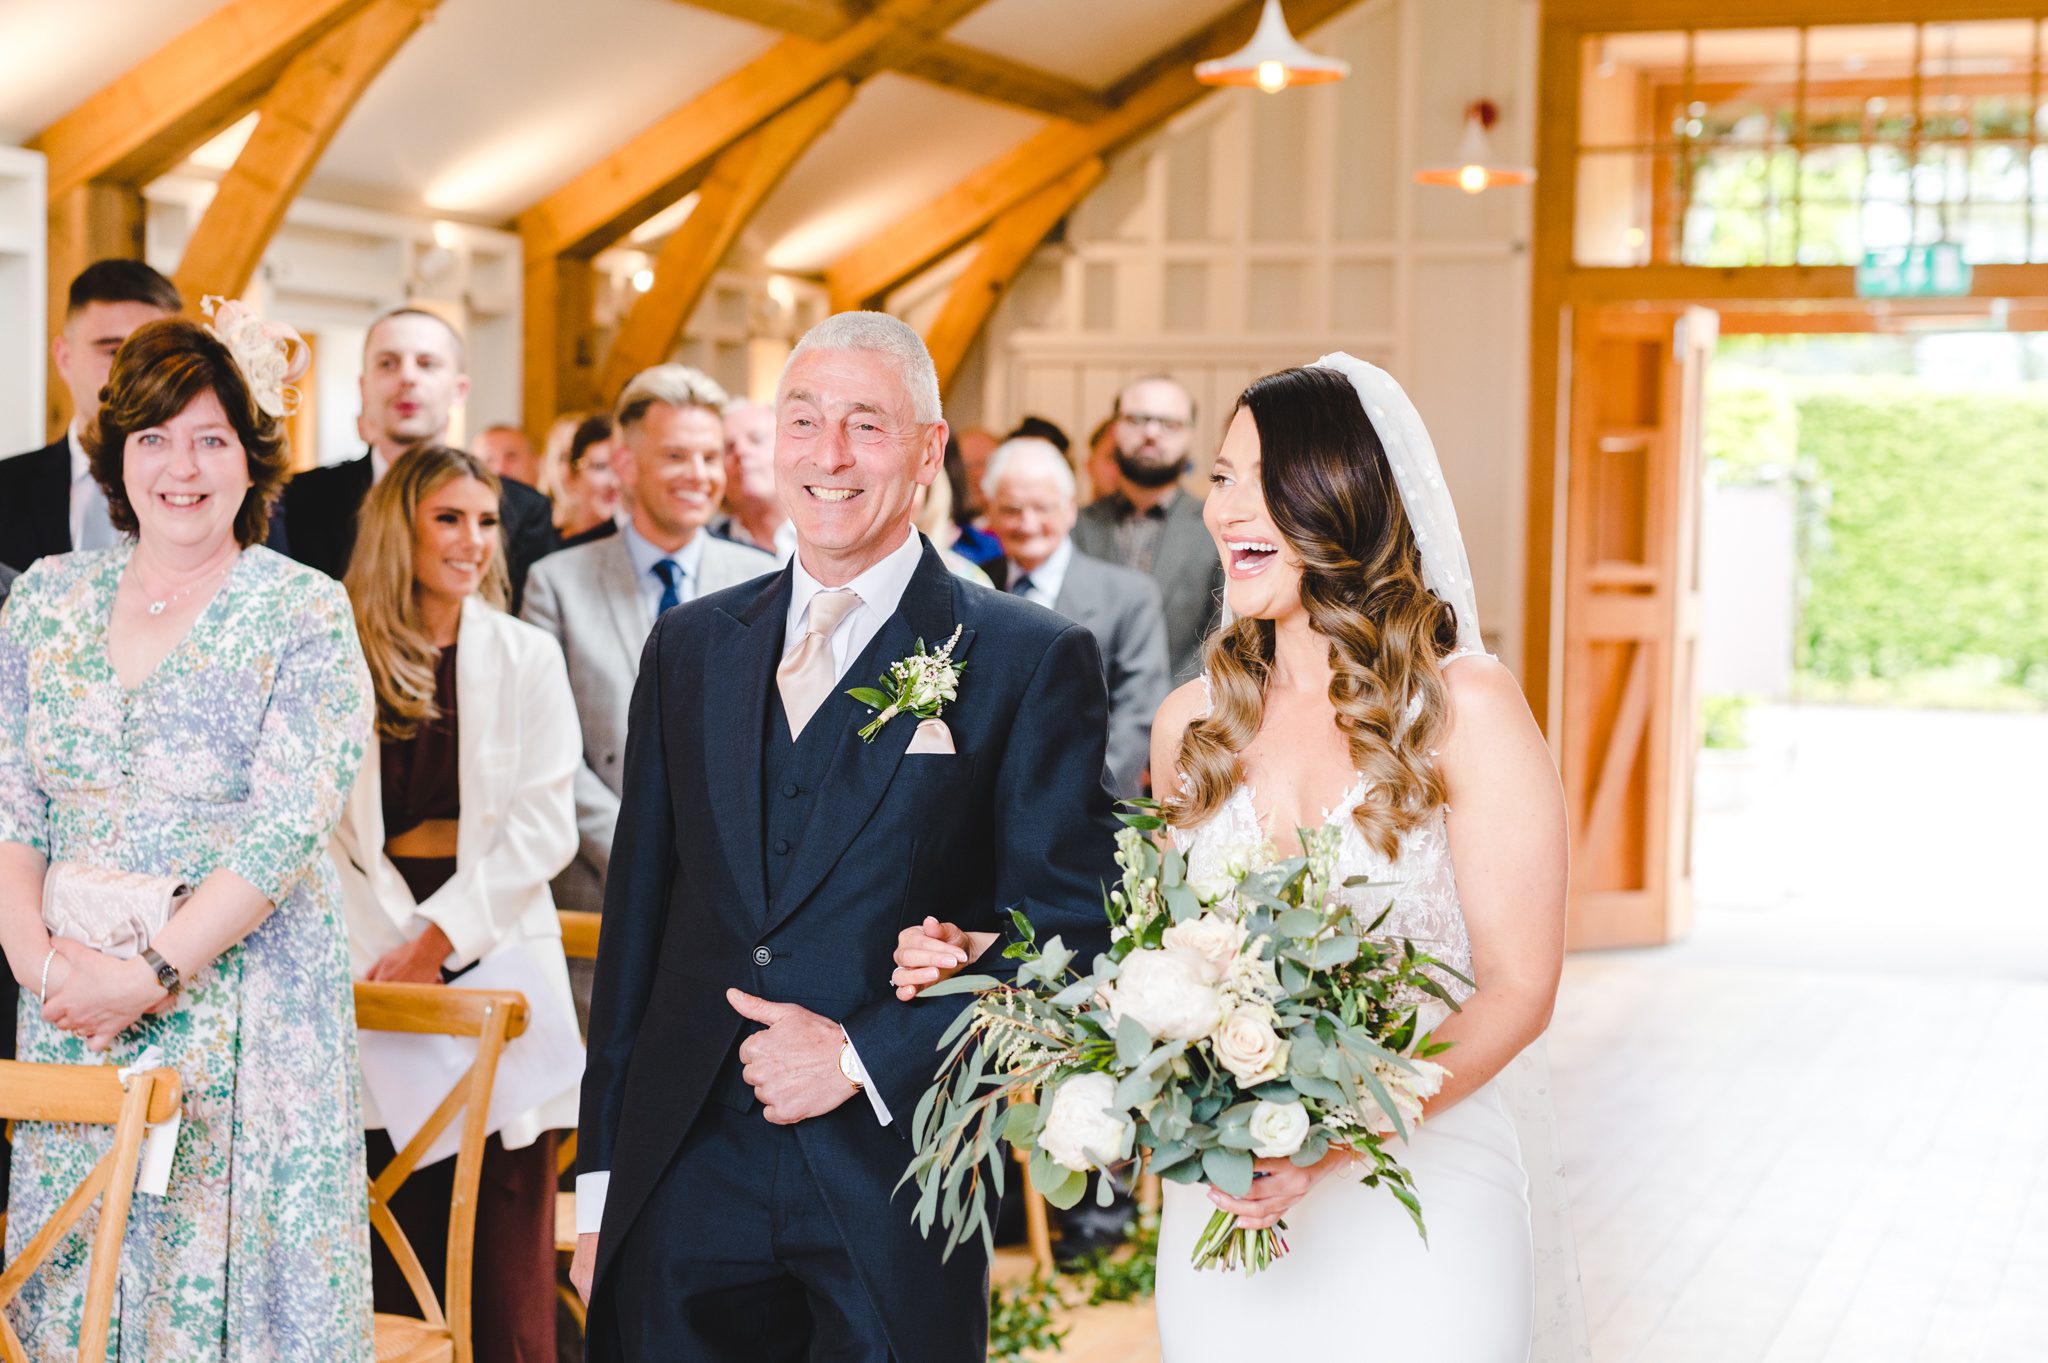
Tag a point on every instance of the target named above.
point(1272, 60)
point(1476, 168)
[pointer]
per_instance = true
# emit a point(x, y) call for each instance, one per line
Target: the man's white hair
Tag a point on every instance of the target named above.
point(678, 385)
point(1028, 451)
point(885, 335)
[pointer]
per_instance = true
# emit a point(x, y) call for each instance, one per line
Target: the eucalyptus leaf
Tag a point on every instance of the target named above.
point(1182, 903)
point(1133, 1042)
point(958, 984)
point(1230, 1170)
point(1299, 923)
point(1067, 1192)
point(1020, 1123)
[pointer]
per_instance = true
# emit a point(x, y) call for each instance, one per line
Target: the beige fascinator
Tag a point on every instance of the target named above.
point(271, 355)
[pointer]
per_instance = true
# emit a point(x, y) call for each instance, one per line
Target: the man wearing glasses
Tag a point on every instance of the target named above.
point(1149, 523)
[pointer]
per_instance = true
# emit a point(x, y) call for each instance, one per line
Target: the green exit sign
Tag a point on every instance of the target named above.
point(1937, 271)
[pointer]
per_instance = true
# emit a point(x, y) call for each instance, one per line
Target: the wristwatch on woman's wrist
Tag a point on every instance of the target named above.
point(166, 973)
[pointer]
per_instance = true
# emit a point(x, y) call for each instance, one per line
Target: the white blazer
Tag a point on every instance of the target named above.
point(517, 754)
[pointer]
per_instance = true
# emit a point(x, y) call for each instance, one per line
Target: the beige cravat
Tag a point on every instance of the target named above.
point(807, 675)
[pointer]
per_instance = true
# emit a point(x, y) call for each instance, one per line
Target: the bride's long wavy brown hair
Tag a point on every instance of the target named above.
point(1331, 492)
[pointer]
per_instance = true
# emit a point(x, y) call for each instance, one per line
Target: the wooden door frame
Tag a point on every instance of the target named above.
point(1742, 296)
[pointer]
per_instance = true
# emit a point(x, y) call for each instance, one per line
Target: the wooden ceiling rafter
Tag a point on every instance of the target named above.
point(999, 254)
point(743, 175)
point(1158, 90)
point(935, 60)
point(165, 106)
point(300, 115)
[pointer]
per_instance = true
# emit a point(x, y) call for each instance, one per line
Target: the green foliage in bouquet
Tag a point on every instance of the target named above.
point(1257, 1014)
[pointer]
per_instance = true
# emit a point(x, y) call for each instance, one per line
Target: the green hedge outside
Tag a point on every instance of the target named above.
point(1924, 537)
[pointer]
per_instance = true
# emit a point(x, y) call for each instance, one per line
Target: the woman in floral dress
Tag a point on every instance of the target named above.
point(187, 704)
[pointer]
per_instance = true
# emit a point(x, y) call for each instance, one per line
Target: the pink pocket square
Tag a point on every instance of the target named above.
point(932, 736)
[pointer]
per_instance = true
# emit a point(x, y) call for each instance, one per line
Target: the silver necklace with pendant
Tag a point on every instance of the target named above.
point(159, 607)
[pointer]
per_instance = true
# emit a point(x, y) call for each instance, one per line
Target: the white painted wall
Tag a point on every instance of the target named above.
point(23, 299)
point(1257, 232)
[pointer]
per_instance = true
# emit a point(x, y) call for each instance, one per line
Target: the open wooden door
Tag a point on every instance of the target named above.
point(1628, 731)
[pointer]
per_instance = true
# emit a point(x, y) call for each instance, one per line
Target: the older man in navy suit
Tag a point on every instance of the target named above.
point(751, 1074)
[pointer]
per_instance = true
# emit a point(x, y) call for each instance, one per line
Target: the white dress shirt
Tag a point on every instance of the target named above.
point(880, 590)
point(88, 500)
point(645, 553)
point(1046, 579)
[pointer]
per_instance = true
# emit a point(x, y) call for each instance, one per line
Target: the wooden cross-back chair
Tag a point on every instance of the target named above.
point(93, 1094)
point(579, 943)
point(493, 1017)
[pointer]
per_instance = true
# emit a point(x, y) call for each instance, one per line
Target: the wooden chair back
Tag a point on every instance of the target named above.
point(493, 1017)
point(92, 1094)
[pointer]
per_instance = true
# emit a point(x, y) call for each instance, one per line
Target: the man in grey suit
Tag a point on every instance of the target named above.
point(600, 599)
point(1149, 524)
point(1029, 491)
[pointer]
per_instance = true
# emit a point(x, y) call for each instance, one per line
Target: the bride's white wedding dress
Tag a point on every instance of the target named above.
point(1358, 1281)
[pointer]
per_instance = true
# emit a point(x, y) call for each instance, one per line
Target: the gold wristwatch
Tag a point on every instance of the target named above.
point(849, 1065)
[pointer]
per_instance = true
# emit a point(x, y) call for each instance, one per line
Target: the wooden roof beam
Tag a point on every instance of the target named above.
point(743, 175)
point(169, 103)
point(299, 117)
point(1004, 247)
point(648, 173)
point(935, 61)
point(1167, 85)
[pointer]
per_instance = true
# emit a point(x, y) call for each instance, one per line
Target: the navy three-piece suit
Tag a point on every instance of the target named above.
point(786, 869)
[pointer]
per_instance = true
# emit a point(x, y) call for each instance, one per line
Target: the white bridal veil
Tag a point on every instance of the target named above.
point(1560, 1317)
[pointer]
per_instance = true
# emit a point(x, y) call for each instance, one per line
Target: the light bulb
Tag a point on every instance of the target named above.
point(1272, 76)
point(1472, 179)
point(643, 280)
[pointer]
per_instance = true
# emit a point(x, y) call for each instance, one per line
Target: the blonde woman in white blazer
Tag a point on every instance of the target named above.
point(464, 811)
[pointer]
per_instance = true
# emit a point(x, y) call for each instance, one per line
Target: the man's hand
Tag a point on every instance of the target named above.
point(583, 1265)
point(793, 1067)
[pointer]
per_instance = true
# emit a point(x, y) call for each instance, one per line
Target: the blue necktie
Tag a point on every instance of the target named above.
point(1022, 586)
point(671, 574)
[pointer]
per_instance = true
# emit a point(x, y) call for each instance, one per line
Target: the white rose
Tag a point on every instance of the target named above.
point(1083, 1128)
point(1279, 1129)
point(1168, 993)
point(1216, 940)
point(1247, 1046)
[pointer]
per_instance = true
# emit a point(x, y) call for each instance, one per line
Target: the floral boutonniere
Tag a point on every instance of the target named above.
point(919, 685)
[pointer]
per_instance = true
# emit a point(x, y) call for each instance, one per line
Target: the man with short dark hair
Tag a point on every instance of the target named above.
point(1150, 524)
point(49, 503)
point(414, 372)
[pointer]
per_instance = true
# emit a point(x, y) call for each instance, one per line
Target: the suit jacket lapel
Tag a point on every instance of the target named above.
point(742, 660)
point(859, 773)
point(627, 606)
point(53, 497)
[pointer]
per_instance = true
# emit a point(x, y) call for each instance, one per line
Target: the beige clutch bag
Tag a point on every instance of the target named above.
point(118, 912)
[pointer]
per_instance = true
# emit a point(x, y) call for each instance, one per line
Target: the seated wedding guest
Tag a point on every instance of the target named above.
point(931, 512)
point(586, 489)
point(49, 503)
point(187, 704)
point(554, 449)
point(1098, 475)
point(755, 514)
point(1037, 428)
point(970, 541)
point(463, 813)
point(1031, 506)
point(1147, 522)
point(507, 452)
point(414, 372)
point(599, 601)
point(974, 445)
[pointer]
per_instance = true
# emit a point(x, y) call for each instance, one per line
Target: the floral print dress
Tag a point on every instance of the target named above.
point(237, 752)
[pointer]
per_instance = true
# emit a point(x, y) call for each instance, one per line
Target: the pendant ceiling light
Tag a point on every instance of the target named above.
point(1476, 168)
point(1272, 60)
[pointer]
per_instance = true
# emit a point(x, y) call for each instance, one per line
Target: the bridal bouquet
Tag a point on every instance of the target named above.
point(1255, 1015)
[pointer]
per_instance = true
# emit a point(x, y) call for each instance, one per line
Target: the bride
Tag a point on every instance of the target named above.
point(1350, 689)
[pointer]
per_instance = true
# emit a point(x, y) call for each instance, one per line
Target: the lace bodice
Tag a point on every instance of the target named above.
point(1419, 882)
